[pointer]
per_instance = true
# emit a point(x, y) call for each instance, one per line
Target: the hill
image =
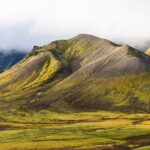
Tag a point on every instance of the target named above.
point(82, 73)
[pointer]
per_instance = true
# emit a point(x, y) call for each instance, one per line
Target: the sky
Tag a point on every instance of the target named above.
point(25, 23)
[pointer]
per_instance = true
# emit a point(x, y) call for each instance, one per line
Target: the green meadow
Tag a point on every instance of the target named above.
point(45, 130)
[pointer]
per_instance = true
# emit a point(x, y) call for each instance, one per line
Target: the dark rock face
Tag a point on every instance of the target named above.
point(10, 59)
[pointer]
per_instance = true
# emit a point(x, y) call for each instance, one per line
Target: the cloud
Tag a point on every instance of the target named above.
point(21, 37)
point(36, 22)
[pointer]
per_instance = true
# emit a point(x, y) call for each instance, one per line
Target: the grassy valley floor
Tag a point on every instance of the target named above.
point(99, 130)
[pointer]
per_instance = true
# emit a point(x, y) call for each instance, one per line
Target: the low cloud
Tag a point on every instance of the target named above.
point(26, 23)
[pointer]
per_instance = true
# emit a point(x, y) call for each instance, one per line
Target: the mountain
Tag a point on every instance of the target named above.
point(147, 52)
point(7, 60)
point(82, 73)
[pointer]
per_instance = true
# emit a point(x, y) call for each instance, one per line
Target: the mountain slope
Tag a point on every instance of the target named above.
point(147, 52)
point(84, 72)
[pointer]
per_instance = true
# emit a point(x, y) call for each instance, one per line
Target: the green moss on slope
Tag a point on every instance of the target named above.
point(84, 72)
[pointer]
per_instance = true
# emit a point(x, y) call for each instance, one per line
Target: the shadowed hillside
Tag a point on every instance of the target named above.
point(82, 73)
point(9, 59)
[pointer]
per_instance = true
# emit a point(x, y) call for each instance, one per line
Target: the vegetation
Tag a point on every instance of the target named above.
point(74, 130)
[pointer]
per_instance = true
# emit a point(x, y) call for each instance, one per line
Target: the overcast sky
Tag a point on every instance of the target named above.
point(25, 23)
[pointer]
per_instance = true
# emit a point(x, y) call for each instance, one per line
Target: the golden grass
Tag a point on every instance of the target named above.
point(82, 130)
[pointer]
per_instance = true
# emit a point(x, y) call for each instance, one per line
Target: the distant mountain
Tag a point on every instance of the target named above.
point(9, 59)
point(82, 73)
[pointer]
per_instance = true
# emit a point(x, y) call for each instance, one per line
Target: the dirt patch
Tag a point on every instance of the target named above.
point(140, 141)
point(111, 148)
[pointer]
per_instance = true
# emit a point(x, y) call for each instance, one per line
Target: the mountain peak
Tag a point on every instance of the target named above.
point(83, 35)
